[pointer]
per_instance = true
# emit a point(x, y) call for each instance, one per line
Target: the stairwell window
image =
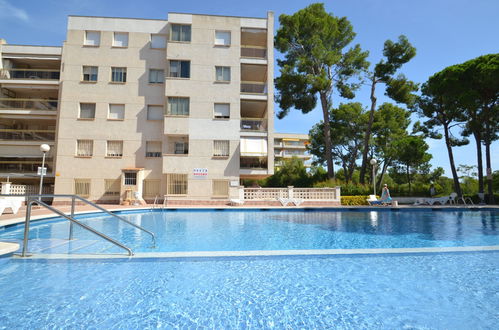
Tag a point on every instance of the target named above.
point(87, 111)
point(92, 38)
point(118, 75)
point(156, 76)
point(130, 178)
point(178, 106)
point(120, 39)
point(221, 148)
point(180, 32)
point(222, 74)
point(155, 112)
point(158, 41)
point(84, 148)
point(222, 110)
point(90, 73)
point(153, 149)
point(114, 149)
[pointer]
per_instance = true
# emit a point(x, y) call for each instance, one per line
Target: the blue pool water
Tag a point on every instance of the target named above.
point(272, 230)
point(397, 291)
point(437, 291)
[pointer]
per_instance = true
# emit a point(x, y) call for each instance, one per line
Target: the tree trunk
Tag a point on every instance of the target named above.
point(490, 191)
point(367, 136)
point(478, 140)
point(457, 187)
point(383, 171)
point(327, 136)
point(408, 179)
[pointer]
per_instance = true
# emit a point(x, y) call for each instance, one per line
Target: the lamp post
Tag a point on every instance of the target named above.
point(43, 148)
point(373, 163)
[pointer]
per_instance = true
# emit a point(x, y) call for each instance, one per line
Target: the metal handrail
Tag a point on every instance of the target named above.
point(71, 219)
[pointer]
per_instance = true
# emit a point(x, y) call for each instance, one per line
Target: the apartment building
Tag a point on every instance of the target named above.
point(180, 107)
point(29, 93)
point(289, 145)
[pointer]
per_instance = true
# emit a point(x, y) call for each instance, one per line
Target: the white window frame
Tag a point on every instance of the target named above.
point(174, 101)
point(224, 70)
point(221, 114)
point(175, 73)
point(118, 72)
point(177, 184)
point(221, 40)
point(221, 148)
point(89, 72)
point(82, 187)
point(83, 109)
point(155, 152)
point(181, 33)
point(120, 114)
point(123, 42)
point(88, 148)
point(118, 148)
point(93, 42)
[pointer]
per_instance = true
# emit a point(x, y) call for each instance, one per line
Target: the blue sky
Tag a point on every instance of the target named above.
point(445, 32)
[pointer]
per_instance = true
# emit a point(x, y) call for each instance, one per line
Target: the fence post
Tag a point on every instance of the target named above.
point(290, 192)
point(241, 192)
point(6, 188)
point(338, 194)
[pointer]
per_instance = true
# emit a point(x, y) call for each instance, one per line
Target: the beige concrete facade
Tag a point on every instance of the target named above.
point(203, 154)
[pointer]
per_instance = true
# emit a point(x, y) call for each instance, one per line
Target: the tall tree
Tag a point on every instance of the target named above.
point(397, 88)
point(316, 63)
point(479, 79)
point(347, 125)
point(390, 124)
point(440, 103)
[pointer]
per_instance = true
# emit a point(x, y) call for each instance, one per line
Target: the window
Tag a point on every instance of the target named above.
point(92, 38)
point(90, 73)
point(120, 39)
point(114, 149)
point(118, 75)
point(153, 149)
point(220, 188)
point(222, 110)
point(181, 148)
point(130, 178)
point(154, 112)
point(112, 187)
point(178, 106)
point(82, 187)
point(151, 188)
point(220, 148)
point(84, 148)
point(158, 41)
point(180, 69)
point(156, 76)
point(116, 112)
point(87, 111)
point(176, 184)
point(222, 38)
point(180, 32)
point(222, 73)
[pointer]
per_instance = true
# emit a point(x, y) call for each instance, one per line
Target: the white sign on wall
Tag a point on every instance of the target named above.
point(200, 173)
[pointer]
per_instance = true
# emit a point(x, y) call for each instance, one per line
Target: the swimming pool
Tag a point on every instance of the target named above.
point(272, 230)
point(430, 290)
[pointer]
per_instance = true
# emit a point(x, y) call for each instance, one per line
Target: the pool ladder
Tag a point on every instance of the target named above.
point(37, 199)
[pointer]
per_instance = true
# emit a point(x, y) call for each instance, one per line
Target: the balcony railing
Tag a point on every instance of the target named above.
point(42, 74)
point(253, 87)
point(253, 163)
point(28, 104)
point(294, 153)
point(294, 144)
point(253, 124)
point(27, 134)
point(27, 167)
point(253, 52)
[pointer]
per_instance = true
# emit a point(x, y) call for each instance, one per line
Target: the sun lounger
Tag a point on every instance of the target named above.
point(236, 202)
point(14, 203)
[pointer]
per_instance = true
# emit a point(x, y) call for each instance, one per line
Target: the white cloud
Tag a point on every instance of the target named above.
point(9, 11)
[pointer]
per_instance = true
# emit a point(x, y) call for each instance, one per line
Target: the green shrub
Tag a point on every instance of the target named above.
point(354, 200)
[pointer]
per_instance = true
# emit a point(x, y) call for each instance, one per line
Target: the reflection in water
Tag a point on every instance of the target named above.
point(373, 215)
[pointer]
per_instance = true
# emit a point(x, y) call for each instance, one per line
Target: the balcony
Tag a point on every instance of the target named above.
point(28, 104)
point(253, 163)
point(27, 134)
point(253, 87)
point(253, 125)
point(254, 52)
point(25, 166)
point(29, 74)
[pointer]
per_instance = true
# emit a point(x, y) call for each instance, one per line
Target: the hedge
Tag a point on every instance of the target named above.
point(354, 200)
